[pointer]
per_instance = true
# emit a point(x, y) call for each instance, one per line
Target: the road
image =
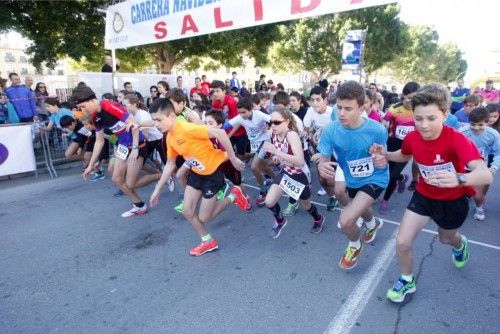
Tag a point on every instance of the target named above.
point(70, 264)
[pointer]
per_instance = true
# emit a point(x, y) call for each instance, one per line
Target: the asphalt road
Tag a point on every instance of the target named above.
point(70, 264)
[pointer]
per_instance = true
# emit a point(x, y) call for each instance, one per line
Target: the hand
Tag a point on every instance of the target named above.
point(238, 164)
point(87, 172)
point(316, 136)
point(275, 160)
point(35, 118)
point(155, 196)
point(316, 158)
point(493, 170)
point(443, 179)
point(379, 156)
point(132, 125)
point(133, 155)
point(304, 134)
point(327, 169)
point(270, 148)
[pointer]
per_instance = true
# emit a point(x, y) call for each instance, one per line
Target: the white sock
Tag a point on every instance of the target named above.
point(359, 222)
point(356, 244)
point(370, 224)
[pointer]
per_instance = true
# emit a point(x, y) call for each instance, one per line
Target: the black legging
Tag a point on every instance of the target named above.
point(395, 168)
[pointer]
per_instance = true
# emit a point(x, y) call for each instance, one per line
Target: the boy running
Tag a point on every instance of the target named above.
point(192, 141)
point(442, 155)
point(350, 138)
point(131, 149)
point(487, 142)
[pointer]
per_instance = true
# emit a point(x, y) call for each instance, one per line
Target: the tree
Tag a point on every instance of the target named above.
point(74, 29)
point(315, 44)
point(425, 60)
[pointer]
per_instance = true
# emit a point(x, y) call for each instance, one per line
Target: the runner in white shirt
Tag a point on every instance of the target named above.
point(317, 117)
point(256, 126)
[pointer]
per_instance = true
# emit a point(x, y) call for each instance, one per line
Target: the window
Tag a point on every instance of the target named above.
point(60, 72)
point(23, 59)
point(9, 57)
point(24, 70)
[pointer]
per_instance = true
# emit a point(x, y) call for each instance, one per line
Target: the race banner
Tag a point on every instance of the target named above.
point(16, 150)
point(352, 50)
point(139, 22)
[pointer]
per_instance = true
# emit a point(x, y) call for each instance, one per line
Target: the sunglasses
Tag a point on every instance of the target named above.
point(276, 122)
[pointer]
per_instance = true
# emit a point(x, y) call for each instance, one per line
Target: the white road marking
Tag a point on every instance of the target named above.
point(350, 311)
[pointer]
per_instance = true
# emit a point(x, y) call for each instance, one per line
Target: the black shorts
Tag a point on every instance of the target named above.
point(179, 161)
point(372, 190)
point(241, 143)
point(230, 173)
point(156, 145)
point(89, 147)
point(301, 178)
point(209, 185)
point(449, 215)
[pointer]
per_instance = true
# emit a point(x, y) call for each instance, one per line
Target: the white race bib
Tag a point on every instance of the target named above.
point(254, 146)
point(122, 152)
point(361, 167)
point(425, 171)
point(403, 130)
point(85, 132)
point(291, 187)
point(195, 164)
point(118, 127)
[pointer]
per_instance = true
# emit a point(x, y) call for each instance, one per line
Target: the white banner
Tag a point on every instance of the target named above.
point(139, 22)
point(16, 150)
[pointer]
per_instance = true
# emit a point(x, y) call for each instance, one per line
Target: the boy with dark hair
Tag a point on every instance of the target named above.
point(350, 139)
point(131, 149)
point(297, 104)
point(470, 102)
point(192, 141)
point(487, 141)
point(228, 106)
point(255, 124)
point(442, 155)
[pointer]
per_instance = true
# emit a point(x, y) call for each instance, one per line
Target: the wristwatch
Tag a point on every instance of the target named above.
point(135, 147)
point(462, 179)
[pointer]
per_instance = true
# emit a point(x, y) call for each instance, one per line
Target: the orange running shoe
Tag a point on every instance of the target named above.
point(241, 201)
point(204, 247)
point(350, 258)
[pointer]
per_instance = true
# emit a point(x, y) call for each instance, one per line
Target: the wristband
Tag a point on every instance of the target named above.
point(135, 147)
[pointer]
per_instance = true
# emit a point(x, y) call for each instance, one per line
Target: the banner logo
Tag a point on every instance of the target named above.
point(4, 153)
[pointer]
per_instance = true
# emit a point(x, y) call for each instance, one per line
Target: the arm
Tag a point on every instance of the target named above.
point(99, 144)
point(33, 104)
point(479, 175)
point(193, 117)
point(397, 156)
point(233, 130)
point(223, 139)
point(48, 127)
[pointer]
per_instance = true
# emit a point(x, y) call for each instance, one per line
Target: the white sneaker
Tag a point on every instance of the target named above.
point(171, 184)
point(479, 214)
point(321, 192)
point(135, 211)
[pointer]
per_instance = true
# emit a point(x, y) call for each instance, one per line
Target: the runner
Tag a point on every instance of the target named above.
point(350, 139)
point(400, 121)
point(286, 149)
point(216, 119)
point(318, 116)
point(131, 147)
point(487, 142)
point(183, 114)
point(442, 155)
point(255, 124)
point(192, 141)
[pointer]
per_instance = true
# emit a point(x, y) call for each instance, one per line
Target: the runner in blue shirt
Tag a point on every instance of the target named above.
point(351, 138)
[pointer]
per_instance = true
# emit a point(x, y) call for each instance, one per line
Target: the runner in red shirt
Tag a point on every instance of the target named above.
point(442, 155)
point(198, 88)
point(229, 107)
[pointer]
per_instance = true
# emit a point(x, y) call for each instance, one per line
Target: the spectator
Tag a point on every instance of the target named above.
point(244, 91)
point(393, 97)
point(56, 112)
point(260, 85)
point(458, 96)
point(235, 82)
point(270, 85)
point(130, 90)
point(153, 95)
point(227, 83)
point(28, 81)
point(40, 96)
point(490, 95)
point(22, 98)
point(198, 88)
point(378, 98)
point(108, 64)
point(205, 83)
point(180, 85)
point(163, 89)
point(470, 102)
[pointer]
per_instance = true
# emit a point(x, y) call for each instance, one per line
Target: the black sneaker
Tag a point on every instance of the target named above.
point(318, 225)
point(412, 186)
point(277, 228)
